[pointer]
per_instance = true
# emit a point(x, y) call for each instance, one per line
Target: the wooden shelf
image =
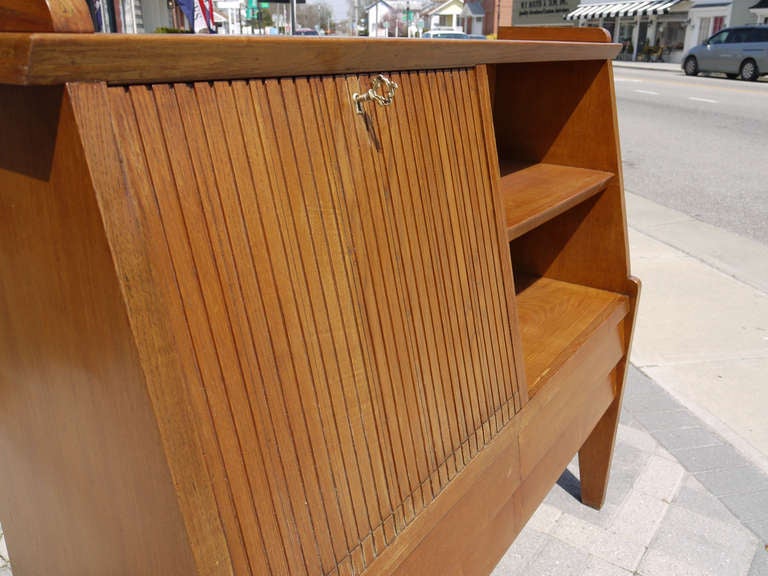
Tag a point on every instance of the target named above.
point(537, 193)
point(557, 318)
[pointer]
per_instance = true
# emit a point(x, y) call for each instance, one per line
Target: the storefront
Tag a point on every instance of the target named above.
point(648, 30)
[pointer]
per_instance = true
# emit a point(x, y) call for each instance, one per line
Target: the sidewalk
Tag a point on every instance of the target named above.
point(662, 66)
point(688, 494)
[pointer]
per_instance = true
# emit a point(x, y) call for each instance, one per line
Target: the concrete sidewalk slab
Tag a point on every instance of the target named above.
point(663, 516)
point(741, 258)
point(702, 328)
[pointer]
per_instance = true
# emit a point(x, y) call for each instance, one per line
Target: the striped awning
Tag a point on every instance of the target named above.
point(595, 11)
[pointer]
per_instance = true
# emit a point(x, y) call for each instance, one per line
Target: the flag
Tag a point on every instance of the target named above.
point(204, 17)
point(188, 8)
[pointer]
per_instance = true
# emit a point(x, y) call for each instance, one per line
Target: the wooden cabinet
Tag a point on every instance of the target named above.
point(245, 329)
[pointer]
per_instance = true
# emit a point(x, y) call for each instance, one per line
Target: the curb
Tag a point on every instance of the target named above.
point(660, 67)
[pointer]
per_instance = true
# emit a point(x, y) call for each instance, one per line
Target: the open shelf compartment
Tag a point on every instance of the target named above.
point(557, 318)
point(533, 194)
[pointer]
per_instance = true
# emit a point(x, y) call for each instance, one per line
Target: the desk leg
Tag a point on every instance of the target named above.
point(595, 456)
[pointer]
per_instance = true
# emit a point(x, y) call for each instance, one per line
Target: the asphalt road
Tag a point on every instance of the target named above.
point(698, 145)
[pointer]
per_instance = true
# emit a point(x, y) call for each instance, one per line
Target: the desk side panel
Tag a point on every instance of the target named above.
point(85, 487)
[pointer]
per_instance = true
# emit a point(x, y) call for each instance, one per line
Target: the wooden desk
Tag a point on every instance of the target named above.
point(247, 330)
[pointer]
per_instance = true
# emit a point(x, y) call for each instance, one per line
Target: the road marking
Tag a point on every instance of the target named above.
point(631, 80)
point(707, 100)
point(651, 92)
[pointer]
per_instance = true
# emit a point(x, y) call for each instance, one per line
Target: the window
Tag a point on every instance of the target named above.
point(717, 24)
point(720, 38)
point(757, 35)
point(704, 29)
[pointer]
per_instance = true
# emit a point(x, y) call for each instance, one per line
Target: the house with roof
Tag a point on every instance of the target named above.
point(416, 16)
point(707, 17)
point(760, 10)
point(387, 18)
point(446, 15)
point(473, 16)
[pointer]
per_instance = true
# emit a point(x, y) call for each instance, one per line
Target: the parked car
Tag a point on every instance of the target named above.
point(739, 51)
point(450, 34)
point(305, 32)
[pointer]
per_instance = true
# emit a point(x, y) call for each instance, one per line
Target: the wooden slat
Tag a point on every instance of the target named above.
point(419, 172)
point(190, 344)
point(353, 470)
point(41, 16)
point(556, 318)
point(516, 385)
point(422, 283)
point(405, 243)
point(480, 219)
point(367, 398)
point(130, 59)
point(479, 416)
point(165, 376)
point(193, 253)
point(537, 193)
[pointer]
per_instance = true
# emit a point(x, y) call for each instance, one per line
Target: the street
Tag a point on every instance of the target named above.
point(698, 145)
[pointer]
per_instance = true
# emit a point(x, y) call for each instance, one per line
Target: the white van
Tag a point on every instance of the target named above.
point(739, 51)
point(447, 34)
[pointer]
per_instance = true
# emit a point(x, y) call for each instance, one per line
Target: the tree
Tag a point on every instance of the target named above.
point(396, 27)
point(262, 18)
point(315, 15)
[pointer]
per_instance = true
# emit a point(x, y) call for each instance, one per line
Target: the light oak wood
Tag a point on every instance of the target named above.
point(561, 34)
point(537, 193)
point(557, 318)
point(126, 59)
point(86, 462)
point(45, 16)
point(276, 336)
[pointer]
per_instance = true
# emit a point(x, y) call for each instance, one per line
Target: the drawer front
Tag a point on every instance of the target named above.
point(342, 298)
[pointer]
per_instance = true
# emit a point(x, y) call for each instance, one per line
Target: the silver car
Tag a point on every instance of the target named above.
point(739, 51)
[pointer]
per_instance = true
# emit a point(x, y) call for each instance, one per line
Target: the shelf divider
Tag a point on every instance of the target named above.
point(537, 193)
point(557, 318)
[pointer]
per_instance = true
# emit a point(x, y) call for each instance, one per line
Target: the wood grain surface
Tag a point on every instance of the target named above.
point(537, 193)
point(342, 286)
point(556, 318)
point(251, 331)
point(86, 487)
point(560, 34)
point(131, 59)
point(45, 16)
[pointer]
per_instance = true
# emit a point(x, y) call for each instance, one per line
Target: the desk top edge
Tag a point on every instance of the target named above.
point(54, 58)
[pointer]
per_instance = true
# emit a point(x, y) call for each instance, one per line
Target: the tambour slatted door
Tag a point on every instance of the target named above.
point(340, 293)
